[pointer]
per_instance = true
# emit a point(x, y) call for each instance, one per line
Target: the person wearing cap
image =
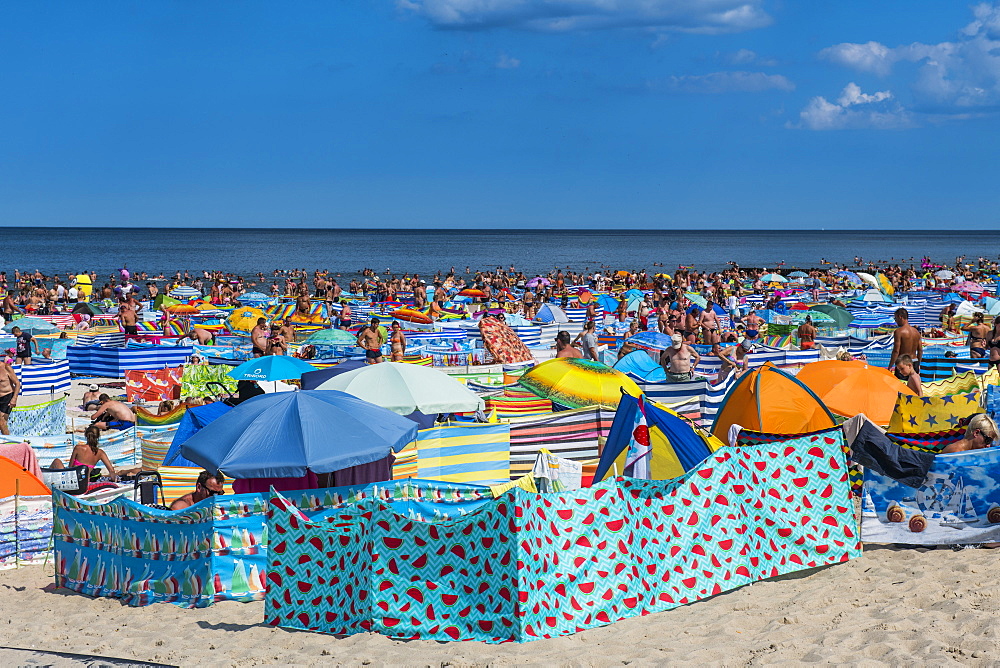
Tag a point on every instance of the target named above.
point(90, 397)
point(679, 360)
point(734, 358)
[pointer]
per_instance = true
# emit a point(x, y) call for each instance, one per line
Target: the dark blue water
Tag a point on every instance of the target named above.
point(55, 250)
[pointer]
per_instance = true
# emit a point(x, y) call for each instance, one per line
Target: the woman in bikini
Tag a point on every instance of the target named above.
point(398, 342)
point(89, 454)
point(977, 337)
point(994, 340)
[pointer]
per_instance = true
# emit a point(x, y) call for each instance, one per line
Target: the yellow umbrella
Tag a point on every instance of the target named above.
point(576, 383)
point(243, 319)
point(884, 283)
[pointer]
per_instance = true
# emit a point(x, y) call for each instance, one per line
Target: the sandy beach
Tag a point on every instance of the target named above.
point(893, 606)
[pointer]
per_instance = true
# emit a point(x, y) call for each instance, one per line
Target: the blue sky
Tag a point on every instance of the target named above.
point(672, 114)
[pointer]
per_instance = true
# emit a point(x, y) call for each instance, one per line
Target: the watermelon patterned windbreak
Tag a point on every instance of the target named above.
point(529, 566)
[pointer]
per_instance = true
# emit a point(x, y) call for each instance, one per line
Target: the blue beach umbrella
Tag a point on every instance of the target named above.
point(271, 367)
point(185, 292)
point(283, 435)
point(33, 326)
point(634, 294)
point(608, 303)
point(639, 365)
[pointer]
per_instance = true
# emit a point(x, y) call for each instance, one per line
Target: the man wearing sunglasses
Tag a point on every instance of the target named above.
point(209, 484)
point(981, 433)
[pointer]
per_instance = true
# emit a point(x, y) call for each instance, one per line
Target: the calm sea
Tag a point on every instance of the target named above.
point(63, 250)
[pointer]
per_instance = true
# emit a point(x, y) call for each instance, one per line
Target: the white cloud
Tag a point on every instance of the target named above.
point(723, 82)
point(869, 57)
point(961, 75)
point(852, 95)
point(748, 57)
point(505, 62)
point(696, 16)
point(854, 110)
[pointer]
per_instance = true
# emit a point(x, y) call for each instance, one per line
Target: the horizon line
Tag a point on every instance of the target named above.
point(505, 230)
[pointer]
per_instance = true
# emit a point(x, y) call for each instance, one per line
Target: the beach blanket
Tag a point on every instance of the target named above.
point(529, 566)
point(45, 419)
point(958, 503)
point(158, 385)
point(503, 343)
point(22, 455)
point(195, 379)
point(927, 414)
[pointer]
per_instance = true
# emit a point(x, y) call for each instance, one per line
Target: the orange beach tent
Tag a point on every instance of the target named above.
point(768, 399)
point(849, 388)
point(16, 480)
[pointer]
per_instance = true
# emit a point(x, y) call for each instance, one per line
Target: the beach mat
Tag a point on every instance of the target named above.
point(15, 656)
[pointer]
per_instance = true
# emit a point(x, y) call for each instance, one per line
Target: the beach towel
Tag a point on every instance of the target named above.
point(503, 343)
point(22, 455)
point(146, 417)
point(195, 379)
point(150, 386)
point(928, 414)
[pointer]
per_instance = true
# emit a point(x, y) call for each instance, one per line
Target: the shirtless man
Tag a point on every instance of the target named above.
point(127, 317)
point(906, 340)
point(677, 360)
point(564, 348)
point(112, 414)
point(642, 314)
point(258, 337)
point(978, 332)
point(398, 341)
point(208, 484)
point(303, 307)
point(709, 322)
point(287, 331)
point(370, 338)
point(692, 323)
point(419, 294)
point(92, 397)
point(202, 336)
point(807, 334)
point(10, 388)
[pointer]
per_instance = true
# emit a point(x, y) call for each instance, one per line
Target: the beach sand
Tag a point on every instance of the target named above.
point(893, 606)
